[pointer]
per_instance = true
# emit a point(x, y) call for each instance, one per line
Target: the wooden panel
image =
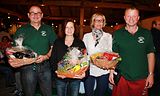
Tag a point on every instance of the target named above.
point(66, 11)
point(55, 11)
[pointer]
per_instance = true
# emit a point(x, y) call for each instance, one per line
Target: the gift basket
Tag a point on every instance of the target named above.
point(22, 55)
point(105, 60)
point(74, 63)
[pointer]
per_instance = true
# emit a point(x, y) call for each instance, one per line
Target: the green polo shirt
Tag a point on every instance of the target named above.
point(38, 40)
point(133, 49)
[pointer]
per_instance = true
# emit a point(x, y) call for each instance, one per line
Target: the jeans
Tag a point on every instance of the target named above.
point(102, 85)
point(63, 86)
point(9, 75)
point(18, 81)
point(36, 73)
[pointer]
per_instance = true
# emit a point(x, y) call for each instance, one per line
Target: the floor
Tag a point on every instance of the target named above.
point(9, 91)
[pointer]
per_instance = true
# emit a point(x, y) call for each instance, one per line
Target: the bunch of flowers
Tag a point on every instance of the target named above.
point(21, 54)
point(105, 60)
point(74, 62)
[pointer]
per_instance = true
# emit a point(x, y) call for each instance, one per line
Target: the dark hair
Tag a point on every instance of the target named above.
point(68, 20)
point(64, 26)
point(154, 22)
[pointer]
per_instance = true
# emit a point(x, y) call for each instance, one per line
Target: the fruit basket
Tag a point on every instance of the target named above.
point(105, 60)
point(76, 70)
point(74, 63)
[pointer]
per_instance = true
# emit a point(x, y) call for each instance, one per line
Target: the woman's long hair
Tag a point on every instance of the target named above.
point(64, 26)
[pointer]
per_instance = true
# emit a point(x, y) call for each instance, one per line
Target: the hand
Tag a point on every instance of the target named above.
point(41, 58)
point(80, 76)
point(111, 78)
point(149, 81)
point(60, 76)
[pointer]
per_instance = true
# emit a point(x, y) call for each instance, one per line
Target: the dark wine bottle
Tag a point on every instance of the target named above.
point(19, 55)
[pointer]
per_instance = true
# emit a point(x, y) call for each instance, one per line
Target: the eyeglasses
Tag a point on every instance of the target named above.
point(38, 13)
point(98, 21)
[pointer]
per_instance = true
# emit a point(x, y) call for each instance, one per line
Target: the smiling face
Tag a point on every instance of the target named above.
point(131, 17)
point(69, 29)
point(35, 14)
point(98, 22)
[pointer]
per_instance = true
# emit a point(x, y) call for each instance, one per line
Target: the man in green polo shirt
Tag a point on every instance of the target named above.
point(40, 38)
point(135, 45)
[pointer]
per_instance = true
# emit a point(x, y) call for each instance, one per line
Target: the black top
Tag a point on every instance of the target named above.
point(156, 39)
point(60, 49)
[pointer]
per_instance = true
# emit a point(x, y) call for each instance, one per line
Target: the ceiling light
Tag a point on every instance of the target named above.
point(96, 7)
point(2, 24)
point(42, 5)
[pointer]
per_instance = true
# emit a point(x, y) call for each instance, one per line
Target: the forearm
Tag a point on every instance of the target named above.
point(48, 55)
point(44, 57)
point(151, 63)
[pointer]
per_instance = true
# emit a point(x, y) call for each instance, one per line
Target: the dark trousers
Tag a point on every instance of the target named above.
point(65, 87)
point(36, 73)
point(102, 85)
point(9, 74)
point(155, 88)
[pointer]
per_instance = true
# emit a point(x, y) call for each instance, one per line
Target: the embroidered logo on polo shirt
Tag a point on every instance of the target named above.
point(141, 39)
point(43, 33)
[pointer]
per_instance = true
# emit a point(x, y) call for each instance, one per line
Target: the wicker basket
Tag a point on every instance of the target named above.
point(104, 63)
point(21, 62)
point(22, 59)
